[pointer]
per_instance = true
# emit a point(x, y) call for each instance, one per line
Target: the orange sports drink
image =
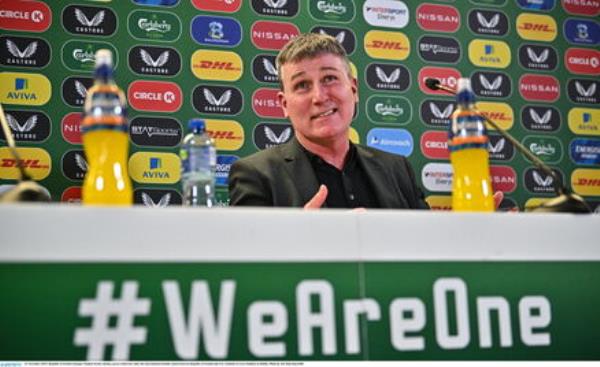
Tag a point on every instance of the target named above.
point(468, 145)
point(105, 139)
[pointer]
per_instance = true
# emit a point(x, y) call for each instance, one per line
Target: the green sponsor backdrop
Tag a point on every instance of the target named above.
point(140, 25)
point(42, 306)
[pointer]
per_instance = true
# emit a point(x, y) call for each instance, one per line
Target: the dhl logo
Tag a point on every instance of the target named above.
point(439, 202)
point(217, 65)
point(387, 45)
point(586, 181)
point(35, 161)
point(228, 134)
point(501, 113)
point(536, 27)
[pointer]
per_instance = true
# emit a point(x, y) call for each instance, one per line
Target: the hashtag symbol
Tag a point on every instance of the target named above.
point(101, 334)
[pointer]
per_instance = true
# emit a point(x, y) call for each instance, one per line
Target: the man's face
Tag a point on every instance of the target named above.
point(319, 98)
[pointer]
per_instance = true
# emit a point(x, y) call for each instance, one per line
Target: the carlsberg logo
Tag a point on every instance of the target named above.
point(153, 25)
point(83, 56)
point(329, 8)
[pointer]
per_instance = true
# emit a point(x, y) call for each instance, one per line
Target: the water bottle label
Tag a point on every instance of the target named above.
point(467, 132)
point(197, 161)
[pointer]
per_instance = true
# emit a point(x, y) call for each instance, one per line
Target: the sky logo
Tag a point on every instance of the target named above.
point(21, 84)
point(395, 141)
point(216, 31)
point(536, 4)
point(155, 163)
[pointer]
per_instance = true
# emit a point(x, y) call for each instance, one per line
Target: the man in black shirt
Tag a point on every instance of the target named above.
point(320, 166)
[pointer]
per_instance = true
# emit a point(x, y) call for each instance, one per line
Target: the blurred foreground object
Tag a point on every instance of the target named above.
point(105, 140)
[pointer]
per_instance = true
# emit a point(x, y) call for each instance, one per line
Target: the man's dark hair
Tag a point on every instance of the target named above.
point(309, 46)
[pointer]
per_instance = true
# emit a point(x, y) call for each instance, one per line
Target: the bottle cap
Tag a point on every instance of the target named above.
point(104, 57)
point(463, 83)
point(196, 124)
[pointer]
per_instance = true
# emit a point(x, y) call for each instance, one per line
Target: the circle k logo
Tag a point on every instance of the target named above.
point(539, 88)
point(583, 61)
point(272, 35)
point(266, 104)
point(29, 16)
point(154, 96)
point(438, 18)
point(447, 77)
point(434, 144)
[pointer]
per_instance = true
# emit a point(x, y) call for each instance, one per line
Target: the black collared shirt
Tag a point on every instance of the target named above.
point(348, 188)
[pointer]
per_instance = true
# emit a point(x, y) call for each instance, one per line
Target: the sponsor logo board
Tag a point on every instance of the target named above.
point(439, 202)
point(36, 161)
point(536, 27)
point(586, 181)
point(501, 113)
point(549, 149)
point(155, 131)
point(89, 20)
point(217, 99)
point(28, 16)
point(344, 36)
point(266, 104)
point(499, 148)
point(70, 127)
point(540, 118)
point(228, 6)
point(216, 31)
point(582, 32)
point(217, 65)
point(489, 53)
point(439, 49)
point(585, 151)
point(386, 13)
point(542, 88)
point(388, 77)
point(488, 22)
point(223, 167)
point(584, 121)
point(582, 7)
point(264, 68)
point(491, 84)
point(437, 113)
point(437, 177)
point(504, 178)
point(434, 144)
point(438, 18)
point(267, 135)
point(387, 45)
point(74, 90)
point(74, 165)
point(538, 182)
point(81, 55)
point(28, 52)
point(228, 134)
point(447, 77)
point(24, 89)
point(396, 141)
point(144, 95)
point(583, 61)
point(332, 10)
point(27, 126)
point(156, 198)
point(267, 35)
point(71, 195)
point(154, 25)
point(584, 91)
point(280, 8)
point(156, 61)
point(538, 57)
point(154, 168)
point(536, 4)
point(386, 109)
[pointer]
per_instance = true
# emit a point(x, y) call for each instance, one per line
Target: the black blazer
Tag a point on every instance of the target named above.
point(282, 176)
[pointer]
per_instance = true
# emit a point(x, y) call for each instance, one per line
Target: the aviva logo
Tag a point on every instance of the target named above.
point(586, 181)
point(584, 121)
point(501, 113)
point(228, 134)
point(489, 54)
point(536, 27)
point(217, 65)
point(387, 45)
point(24, 89)
point(154, 167)
point(36, 161)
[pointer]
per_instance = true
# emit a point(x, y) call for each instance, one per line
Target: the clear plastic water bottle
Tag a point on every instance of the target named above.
point(198, 165)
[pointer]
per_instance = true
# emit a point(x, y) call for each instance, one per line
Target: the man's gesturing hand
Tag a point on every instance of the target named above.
point(317, 201)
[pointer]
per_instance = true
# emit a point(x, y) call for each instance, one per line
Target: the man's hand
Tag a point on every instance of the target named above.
point(318, 200)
